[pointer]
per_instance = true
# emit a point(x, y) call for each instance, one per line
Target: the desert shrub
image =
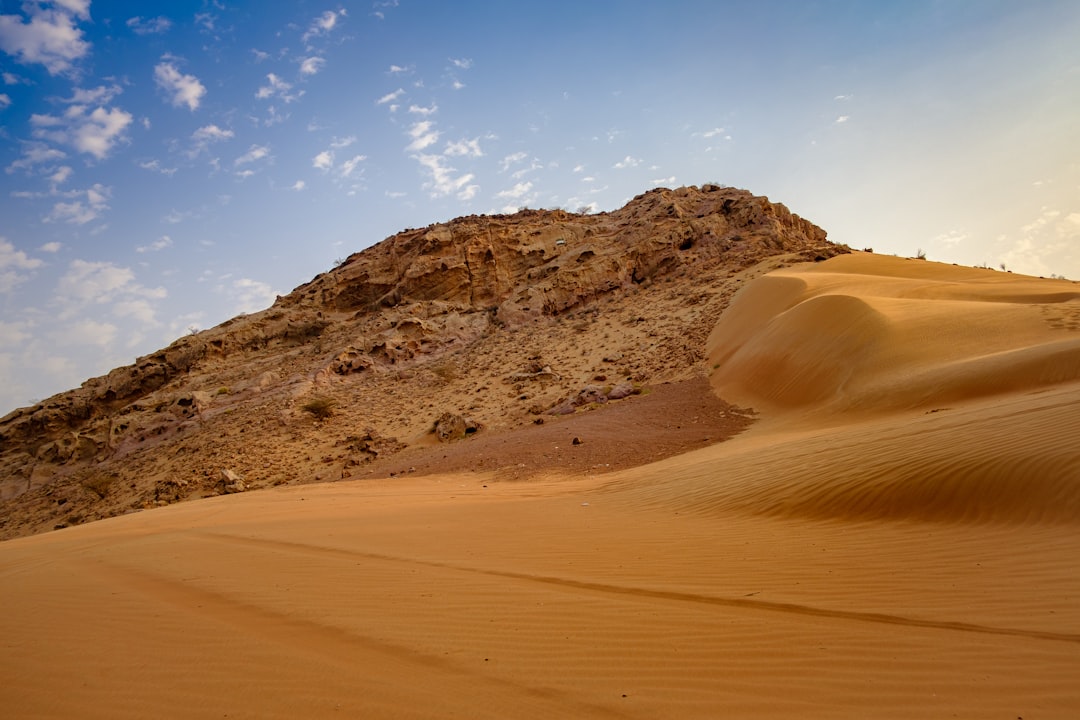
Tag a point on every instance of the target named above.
point(320, 407)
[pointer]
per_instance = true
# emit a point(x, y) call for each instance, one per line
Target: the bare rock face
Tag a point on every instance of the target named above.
point(397, 320)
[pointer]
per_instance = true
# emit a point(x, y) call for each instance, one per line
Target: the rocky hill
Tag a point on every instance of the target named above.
point(468, 329)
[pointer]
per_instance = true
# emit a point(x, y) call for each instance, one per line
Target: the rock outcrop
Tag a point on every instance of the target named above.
point(404, 318)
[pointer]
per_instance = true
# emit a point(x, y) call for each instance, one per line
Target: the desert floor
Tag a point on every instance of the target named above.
point(897, 535)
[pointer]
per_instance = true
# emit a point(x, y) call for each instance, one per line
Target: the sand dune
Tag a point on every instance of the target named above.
point(868, 333)
point(896, 537)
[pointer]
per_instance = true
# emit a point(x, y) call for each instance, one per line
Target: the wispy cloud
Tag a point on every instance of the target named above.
point(422, 135)
point(391, 98)
point(468, 148)
point(443, 181)
point(99, 283)
point(516, 192)
point(5, 101)
point(48, 36)
point(78, 211)
point(160, 244)
point(154, 165)
point(311, 65)
point(95, 133)
point(298, 185)
point(276, 87)
point(254, 154)
point(323, 24)
point(323, 161)
point(35, 154)
point(380, 7)
point(149, 26)
point(462, 63)
point(627, 162)
point(349, 166)
point(12, 263)
point(248, 295)
point(182, 89)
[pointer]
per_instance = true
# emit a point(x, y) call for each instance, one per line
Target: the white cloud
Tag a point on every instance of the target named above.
point(87, 332)
point(423, 136)
point(204, 136)
point(183, 89)
point(276, 87)
point(154, 165)
point(97, 283)
point(94, 134)
point(349, 166)
point(323, 24)
point(251, 295)
point(138, 309)
point(101, 95)
point(78, 8)
point(627, 162)
point(443, 181)
point(311, 65)
point(518, 191)
point(93, 282)
point(843, 98)
point(13, 333)
point(398, 70)
point(470, 148)
point(49, 37)
point(35, 153)
point(5, 101)
point(462, 63)
point(206, 21)
point(513, 159)
point(323, 161)
point(1045, 245)
point(61, 175)
point(842, 119)
point(338, 143)
point(160, 244)
point(245, 174)
point(424, 111)
point(79, 212)
point(390, 97)
point(149, 26)
point(298, 185)
point(211, 133)
point(51, 247)
point(12, 259)
point(254, 154)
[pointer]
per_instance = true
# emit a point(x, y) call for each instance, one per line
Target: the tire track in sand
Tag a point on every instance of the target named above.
point(741, 603)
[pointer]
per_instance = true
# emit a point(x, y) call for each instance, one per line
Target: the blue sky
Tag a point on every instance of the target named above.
point(168, 171)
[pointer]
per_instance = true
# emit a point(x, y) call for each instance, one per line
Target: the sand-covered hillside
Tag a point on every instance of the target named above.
point(895, 536)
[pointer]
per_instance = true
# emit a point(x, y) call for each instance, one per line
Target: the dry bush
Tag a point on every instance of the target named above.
point(320, 407)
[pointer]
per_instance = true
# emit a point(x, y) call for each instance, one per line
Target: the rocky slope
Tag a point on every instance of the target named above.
point(484, 323)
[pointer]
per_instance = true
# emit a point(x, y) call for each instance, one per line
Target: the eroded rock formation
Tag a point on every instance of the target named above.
point(394, 323)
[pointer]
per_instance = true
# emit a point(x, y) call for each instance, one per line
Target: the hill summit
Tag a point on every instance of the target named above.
point(480, 326)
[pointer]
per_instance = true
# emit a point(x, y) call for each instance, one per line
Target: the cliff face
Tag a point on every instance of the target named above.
point(442, 300)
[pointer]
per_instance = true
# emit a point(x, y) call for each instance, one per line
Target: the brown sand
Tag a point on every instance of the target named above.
point(897, 537)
